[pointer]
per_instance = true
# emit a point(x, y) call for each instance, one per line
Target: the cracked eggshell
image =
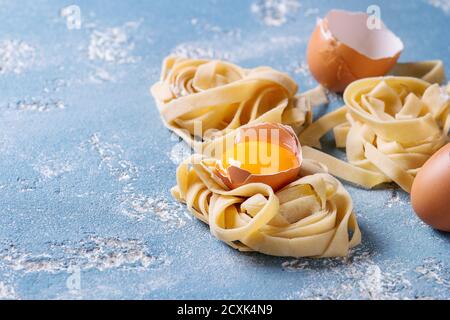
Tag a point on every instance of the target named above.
point(234, 177)
point(343, 49)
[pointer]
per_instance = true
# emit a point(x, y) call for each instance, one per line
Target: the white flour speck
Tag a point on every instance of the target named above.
point(16, 56)
point(333, 97)
point(235, 50)
point(372, 282)
point(302, 69)
point(311, 12)
point(179, 152)
point(113, 45)
point(444, 5)
point(26, 185)
point(7, 292)
point(100, 75)
point(198, 51)
point(214, 30)
point(275, 13)
point(435, 271)
point(38, 105)
point(52, 168)
point(112, 157)
point(395, 200)
point(137, 205)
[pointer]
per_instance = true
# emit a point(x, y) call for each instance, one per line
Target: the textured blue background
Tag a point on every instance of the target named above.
point(86, 165)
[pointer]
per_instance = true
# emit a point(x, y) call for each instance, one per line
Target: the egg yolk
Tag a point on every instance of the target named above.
point(259, 157)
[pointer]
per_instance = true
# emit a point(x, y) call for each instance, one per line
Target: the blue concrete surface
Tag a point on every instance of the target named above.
point(86, 165)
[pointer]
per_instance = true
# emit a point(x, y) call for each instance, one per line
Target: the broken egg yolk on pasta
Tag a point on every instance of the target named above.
point(260, 157)
point(263, 153)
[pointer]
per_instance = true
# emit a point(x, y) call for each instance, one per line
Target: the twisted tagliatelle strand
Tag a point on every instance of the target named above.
point(311, 217)
point(222, 97)
point(389, 126)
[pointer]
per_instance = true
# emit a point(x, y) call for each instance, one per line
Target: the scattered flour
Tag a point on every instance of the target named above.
point(100, 75)
point(52, 168)
point(275, 13)
point(235, 50)
point(435, 271)
point(444, 5)
point(380, 285)
point(112, 157)
point(395, 200)
point(133, 202)
point(196, 50)
point(179, 152)
point(113, 45)
point(356, 276)
point(311, 12)
point(26, 185)
point(137, 205)
point(45, 101)
point(55, 85)
point(91, 252)
point(7, 292)
point(333, 97)
point(302, 69)
point(16, 56)
point(38, 105)
point(216, 31)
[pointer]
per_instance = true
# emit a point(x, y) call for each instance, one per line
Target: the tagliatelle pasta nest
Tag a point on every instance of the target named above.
point(389, 126)
point(311, 217)
point(207, 98)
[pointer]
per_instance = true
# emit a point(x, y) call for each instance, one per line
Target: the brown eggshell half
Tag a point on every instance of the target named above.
point(234, 177)
point(343, 49)
point(430, 194)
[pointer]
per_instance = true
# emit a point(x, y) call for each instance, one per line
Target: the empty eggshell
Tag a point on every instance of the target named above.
point(234, 176)
point(343, 49)
point(430, 194)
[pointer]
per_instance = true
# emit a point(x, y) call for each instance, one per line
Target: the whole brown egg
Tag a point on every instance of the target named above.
point(430, 194)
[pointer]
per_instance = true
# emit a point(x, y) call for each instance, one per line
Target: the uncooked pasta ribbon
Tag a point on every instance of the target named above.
point(207, 98)
point(311, 217)
point(389, 127)
point(431, 71)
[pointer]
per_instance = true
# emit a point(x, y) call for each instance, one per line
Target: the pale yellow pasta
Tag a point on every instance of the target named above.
point(311, 217)
point(389, 126)
point(207, 98)
point(431, 71)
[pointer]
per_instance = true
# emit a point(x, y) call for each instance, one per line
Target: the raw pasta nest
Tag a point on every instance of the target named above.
point(389, 126)
point(311, 217)
point(207, 98)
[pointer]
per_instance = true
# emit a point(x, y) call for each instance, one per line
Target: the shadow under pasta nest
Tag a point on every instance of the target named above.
point(363, 252)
